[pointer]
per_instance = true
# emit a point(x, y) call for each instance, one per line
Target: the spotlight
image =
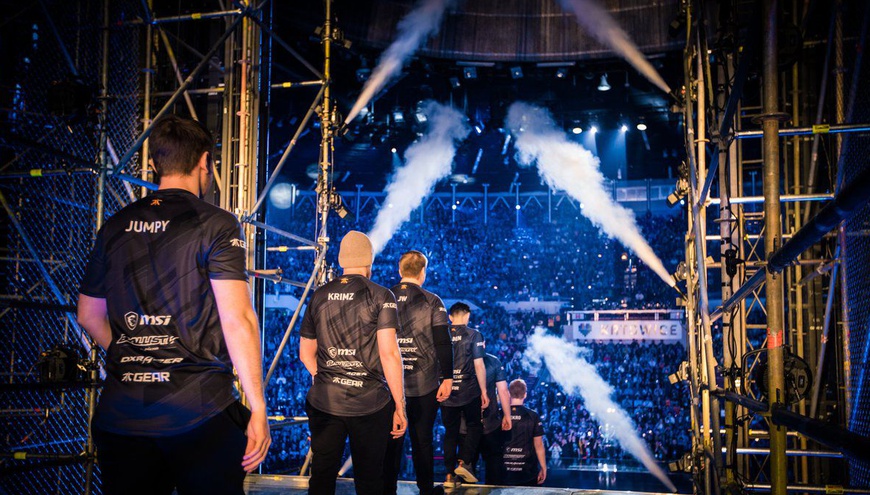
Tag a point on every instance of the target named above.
point(577, 129)
point(562, 73)
point(680, 191)
point(398, 116)
point(469, 72)
point(478, 129)
point(363, 74)
point(641, 126)
point(593, 129)
point(454, 82)
point(393, 150)
point(623, 128)
point(517, 72)
point(681, 375)
point(603, 85)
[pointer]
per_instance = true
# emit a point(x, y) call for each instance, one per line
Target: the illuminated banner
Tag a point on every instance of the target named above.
point(643, 330)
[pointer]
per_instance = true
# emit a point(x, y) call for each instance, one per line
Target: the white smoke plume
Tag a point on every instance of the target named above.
point(577, 376)
point(418, 25)
point(600, 24)
point(426, 162)
point(572, 168)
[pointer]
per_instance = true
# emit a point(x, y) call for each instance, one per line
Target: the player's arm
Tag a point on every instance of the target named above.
point(391, 361)
point(542, 459)
point(480, 372)
point(94, 318)
point(240, 330)
point(504, 398)
point(308, 354)
point(444, 353)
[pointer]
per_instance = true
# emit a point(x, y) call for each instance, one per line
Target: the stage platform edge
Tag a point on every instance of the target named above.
point(269, 484)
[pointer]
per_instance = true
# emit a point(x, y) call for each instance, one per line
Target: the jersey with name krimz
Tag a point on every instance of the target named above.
point(520, 459)
point(167, 368)
point(344, 316)
point(467, 346)
point(419, 311)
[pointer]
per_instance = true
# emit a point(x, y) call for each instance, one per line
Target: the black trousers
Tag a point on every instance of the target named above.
point(204, 460)
point(421, 413)
point(492, 451)
point(452, 418)
point(368, 444)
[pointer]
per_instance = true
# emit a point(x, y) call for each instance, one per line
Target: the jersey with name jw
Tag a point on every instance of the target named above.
point(494, 374)
point(419, 311)
point(468, 345)
point(344, 316)
point(167, 368)
point(520, 458)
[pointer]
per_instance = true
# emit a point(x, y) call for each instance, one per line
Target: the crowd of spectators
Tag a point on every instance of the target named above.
point(566, 259)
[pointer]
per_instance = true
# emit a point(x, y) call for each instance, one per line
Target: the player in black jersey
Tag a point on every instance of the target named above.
point(427, 356)
point(166, 294)
point(348, 344)
point(469, 396)
point(495, 422)
point(525, 460)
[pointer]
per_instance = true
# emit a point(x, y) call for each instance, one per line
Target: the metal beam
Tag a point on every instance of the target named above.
point(807, 131)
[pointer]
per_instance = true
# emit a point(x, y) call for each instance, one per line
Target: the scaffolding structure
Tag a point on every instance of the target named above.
point(761, 368)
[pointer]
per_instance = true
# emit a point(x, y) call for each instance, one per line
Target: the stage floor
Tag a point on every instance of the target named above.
point(287, 485)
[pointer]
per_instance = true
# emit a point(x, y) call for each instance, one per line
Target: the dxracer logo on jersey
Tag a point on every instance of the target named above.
point(133, 320)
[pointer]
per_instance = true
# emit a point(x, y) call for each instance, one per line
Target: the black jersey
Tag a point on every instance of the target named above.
point(494, 374)
point(520, 458)
point(344, 316)
point(419, 311)
point(468, 345)
point(167, 368)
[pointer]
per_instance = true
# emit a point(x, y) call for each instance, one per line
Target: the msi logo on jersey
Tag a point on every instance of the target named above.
point(132, 320)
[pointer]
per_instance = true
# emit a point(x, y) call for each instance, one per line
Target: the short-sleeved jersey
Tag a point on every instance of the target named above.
point(419, 311)
point(468, 345)
point(167, 368)
point(494, 374)
point(520, 459)
point(344, 316)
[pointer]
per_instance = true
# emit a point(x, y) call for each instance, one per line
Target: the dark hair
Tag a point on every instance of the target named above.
point(459, 307)
point(177, 143)
point(412, 263)
point(517, 388)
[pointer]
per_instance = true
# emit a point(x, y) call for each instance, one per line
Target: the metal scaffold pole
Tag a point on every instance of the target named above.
point(772, 241)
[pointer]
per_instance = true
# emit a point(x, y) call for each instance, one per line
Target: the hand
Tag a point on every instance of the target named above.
point(484, 400)
point(444, 390)
point(542, 476)
point(400, 423)
point(506, 423)
point(259, 441)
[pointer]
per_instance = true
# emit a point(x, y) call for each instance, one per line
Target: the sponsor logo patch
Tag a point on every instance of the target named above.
point(344, 364)
point(156, 202)
point(150, 359)
point(148, 340)
point(390, 306)
point(160, 376)
point(335, 351)
point(133, 320)
point(348, 382)
point(238, 243)
point(406, 340)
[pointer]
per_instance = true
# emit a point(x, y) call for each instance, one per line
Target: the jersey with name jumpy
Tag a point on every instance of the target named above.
point(167, 368)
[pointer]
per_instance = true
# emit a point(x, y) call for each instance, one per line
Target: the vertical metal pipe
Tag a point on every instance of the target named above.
point(324, 188)
point(146, 118)
point(453, 203)
point(485, 202)
point(171, 54)
point(772, 241)
point(517, 204)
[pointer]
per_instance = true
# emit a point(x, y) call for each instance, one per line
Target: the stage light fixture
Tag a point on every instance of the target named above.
point(681, 375)
point(363, 74)
point(454, 82)
point(398, 116)
point(517, 72)
point(561, 73)
point(623, 128)
point(393, 150)
point(593, 129)
point(641, 126)
point(469, 72)
point(577, 129)
point(603, 85)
